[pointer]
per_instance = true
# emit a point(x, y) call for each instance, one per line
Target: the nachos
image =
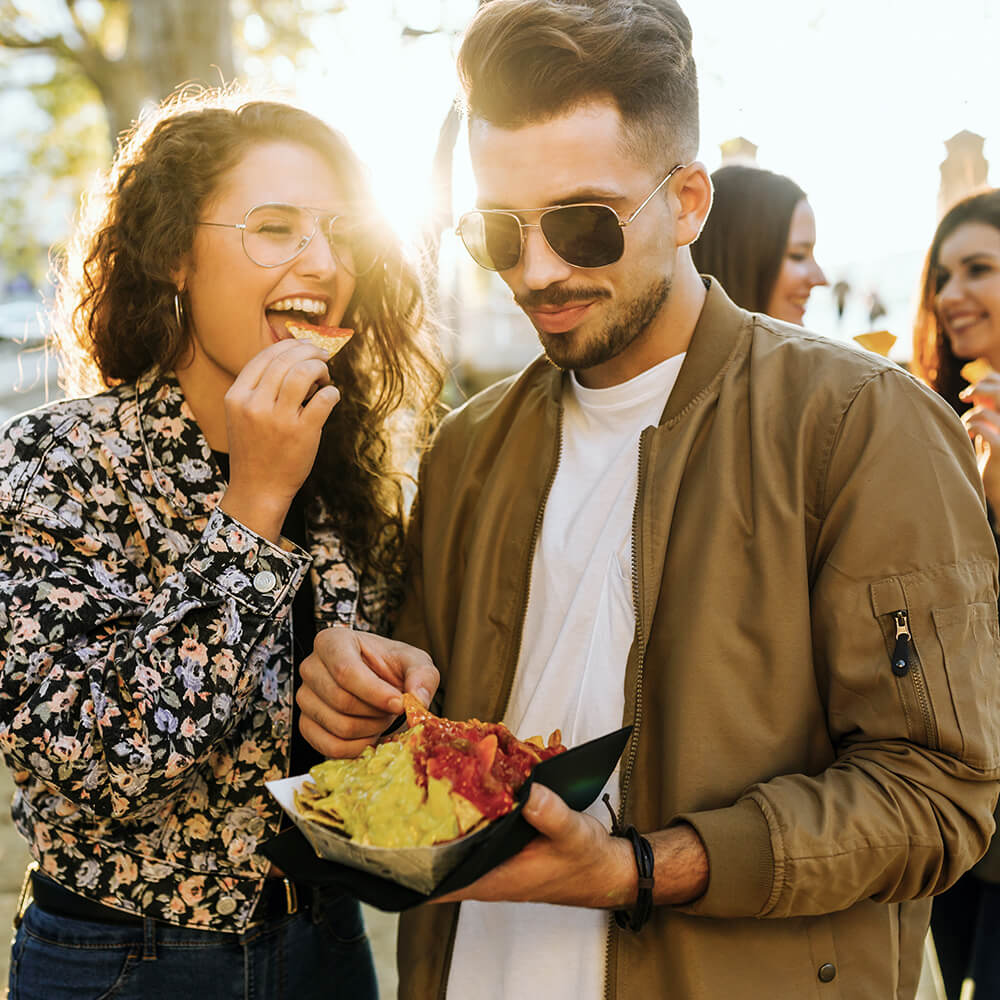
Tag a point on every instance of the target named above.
point(433, 782)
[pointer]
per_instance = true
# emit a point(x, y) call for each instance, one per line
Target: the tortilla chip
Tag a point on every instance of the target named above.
point(327, 338)
point(305, 804)
point(415, 711)
point(975, 371)
point(467, 814)
point(878, 341)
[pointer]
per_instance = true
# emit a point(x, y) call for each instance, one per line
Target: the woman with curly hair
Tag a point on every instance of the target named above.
point(173, 544)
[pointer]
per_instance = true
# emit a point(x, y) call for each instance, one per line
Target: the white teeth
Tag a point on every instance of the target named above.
point(961, 322)
point(313, 306)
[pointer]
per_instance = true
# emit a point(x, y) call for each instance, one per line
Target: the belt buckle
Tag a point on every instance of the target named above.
point(24, 897)
point(291, 896)
point(291, 903)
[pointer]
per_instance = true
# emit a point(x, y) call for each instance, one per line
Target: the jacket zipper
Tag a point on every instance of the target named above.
point(535, 532)
point(901, 651)
point(903, 662)
point(640, 664)
point(509, 683)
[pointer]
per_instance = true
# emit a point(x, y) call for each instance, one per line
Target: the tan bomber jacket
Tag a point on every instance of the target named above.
point(808, 515)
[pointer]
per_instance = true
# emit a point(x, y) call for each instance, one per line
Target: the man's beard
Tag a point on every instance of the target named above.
point(622, 328)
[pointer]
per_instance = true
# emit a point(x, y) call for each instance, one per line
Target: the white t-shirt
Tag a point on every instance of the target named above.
point(578, 630)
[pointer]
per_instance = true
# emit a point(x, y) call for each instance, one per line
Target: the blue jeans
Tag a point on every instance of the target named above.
point(322, 955)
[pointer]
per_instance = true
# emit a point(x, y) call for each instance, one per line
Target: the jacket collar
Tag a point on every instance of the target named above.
point(721, 329)
point(176, 454)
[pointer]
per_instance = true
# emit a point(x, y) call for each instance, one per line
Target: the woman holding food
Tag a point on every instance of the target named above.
point(759, 240)
point(171, 544)
point(956, 351)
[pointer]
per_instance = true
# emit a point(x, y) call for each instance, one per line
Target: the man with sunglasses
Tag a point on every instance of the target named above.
point(764, 551)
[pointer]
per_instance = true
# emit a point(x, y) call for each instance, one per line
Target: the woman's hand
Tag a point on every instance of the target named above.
point(983, 425)
point(352, 688)
point(275, 412)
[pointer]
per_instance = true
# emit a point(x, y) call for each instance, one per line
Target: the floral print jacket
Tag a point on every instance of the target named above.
point(145, 655)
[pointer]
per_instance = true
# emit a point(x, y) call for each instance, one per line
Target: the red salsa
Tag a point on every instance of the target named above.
point(484, 761)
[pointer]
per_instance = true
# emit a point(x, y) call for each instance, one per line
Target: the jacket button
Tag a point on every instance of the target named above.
point(227, 905)
point(827, 972)
point(264, 581)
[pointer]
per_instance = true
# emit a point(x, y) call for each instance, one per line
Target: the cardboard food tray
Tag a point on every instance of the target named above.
point(396, 879)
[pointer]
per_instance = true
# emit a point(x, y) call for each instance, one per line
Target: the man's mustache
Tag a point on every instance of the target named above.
point(557, 298)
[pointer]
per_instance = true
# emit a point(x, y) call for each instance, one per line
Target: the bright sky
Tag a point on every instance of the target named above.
point(851, 98)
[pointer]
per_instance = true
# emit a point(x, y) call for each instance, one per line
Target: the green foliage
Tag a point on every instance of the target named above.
point(67, 140)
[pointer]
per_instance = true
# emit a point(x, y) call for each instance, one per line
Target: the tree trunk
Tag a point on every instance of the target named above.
point(170, 42)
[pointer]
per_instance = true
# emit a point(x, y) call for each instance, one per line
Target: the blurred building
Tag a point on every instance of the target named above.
point(740, 151)
point(965, 169)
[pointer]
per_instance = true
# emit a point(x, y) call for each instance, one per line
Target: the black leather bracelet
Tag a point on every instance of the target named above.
point(644, 862)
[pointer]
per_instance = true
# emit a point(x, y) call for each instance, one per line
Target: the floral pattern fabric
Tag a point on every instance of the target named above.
point(145, 655)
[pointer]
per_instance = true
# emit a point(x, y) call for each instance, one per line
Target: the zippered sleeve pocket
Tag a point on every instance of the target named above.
point(904, 663)
point(944, 662)
point(969, 637)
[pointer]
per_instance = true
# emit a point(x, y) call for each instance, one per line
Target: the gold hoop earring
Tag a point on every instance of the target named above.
point(179, 310)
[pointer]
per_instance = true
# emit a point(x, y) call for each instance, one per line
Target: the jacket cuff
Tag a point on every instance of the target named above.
point(238, 563)
point(740, 860)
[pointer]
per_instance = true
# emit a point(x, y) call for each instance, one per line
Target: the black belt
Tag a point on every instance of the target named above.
point(281, 897)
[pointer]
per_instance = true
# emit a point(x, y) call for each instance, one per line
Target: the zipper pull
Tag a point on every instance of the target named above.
point(901, 651)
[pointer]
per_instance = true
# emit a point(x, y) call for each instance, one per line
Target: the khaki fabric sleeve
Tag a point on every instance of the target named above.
point(907, 804)
point(410, 624)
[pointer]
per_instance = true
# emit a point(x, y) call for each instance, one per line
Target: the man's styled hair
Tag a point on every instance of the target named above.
point(528, 61)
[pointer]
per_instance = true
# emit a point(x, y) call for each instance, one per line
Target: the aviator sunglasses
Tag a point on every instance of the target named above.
point(584, 235)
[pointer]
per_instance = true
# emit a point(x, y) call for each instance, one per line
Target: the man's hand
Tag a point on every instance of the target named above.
point(352, 687)
point(983, 425)
point(576, 862)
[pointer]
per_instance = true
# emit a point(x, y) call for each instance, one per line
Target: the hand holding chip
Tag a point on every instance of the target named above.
point(275, 413)
point(352, 688)
point(983, 425)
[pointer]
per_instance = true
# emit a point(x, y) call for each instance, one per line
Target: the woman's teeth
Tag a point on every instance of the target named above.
point(312, 307)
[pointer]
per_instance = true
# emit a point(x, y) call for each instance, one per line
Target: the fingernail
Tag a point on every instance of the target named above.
point(424, 695)
point(396, 706)
point(537, 799)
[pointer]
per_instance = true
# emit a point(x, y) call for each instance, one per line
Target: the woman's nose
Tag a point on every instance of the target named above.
point(318, 259)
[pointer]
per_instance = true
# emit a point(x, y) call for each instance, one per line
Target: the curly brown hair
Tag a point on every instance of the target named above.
point(115, 318)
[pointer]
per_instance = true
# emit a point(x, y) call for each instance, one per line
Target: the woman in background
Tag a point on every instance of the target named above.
point(171, 546)
point(758, 242)
point(958, 322)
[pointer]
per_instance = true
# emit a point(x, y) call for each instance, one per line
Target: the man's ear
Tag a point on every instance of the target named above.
point(694, 193)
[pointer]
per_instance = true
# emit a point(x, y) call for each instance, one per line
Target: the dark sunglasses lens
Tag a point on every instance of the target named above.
point(493, 241)
point(584, 235)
